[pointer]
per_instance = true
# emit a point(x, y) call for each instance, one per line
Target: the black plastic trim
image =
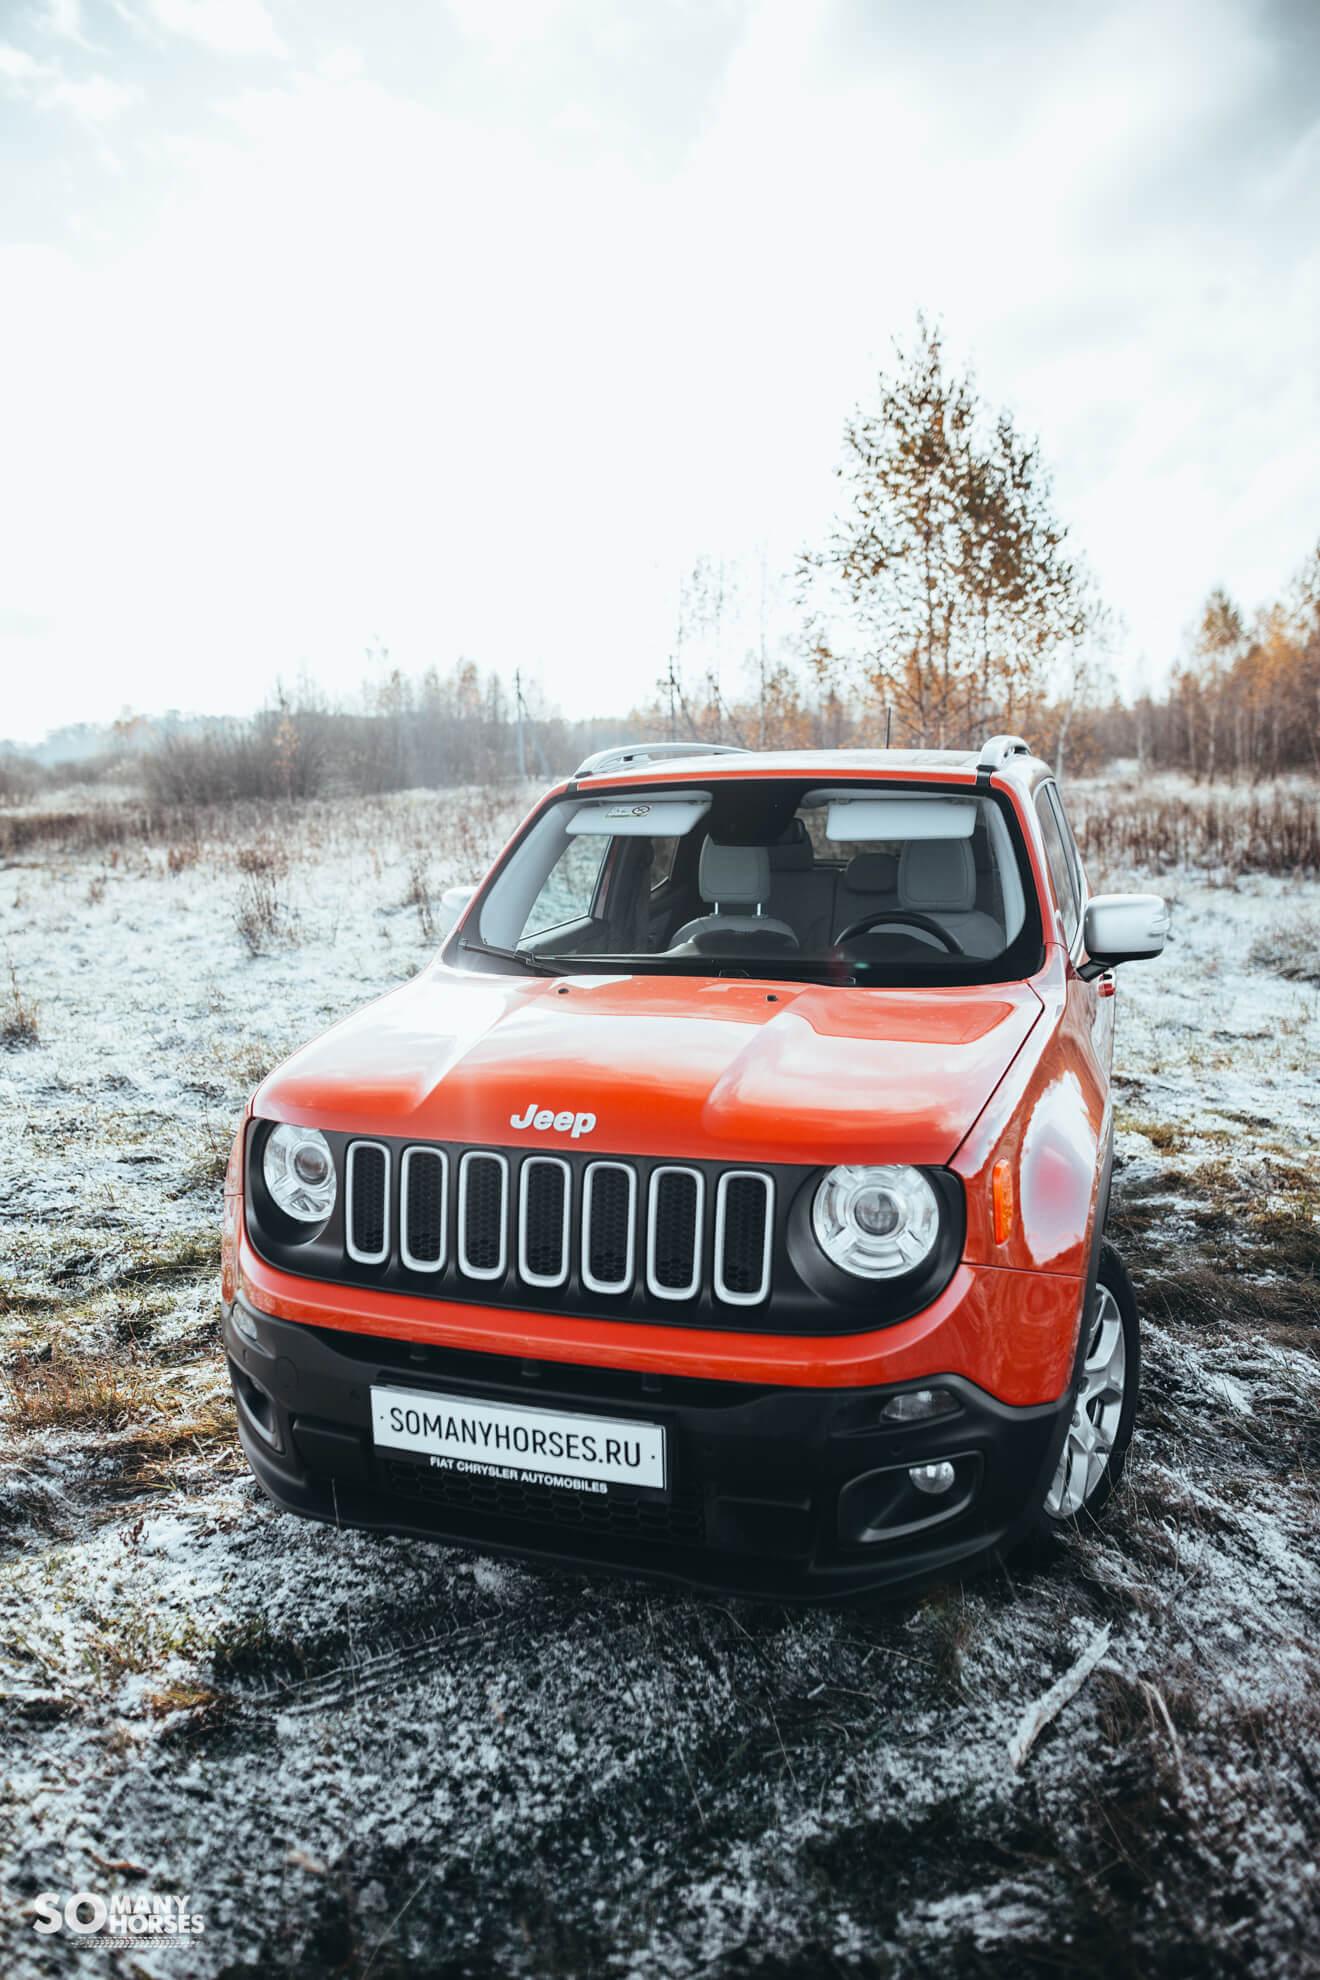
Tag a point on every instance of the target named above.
point(760, 1475)
point(808, 1295)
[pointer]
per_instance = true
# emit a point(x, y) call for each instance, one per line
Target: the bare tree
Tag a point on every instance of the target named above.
point(945, 589)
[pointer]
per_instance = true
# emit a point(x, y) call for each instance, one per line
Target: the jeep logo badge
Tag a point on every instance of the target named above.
point(542, 1118)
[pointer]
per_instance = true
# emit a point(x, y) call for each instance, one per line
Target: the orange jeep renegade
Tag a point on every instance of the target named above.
point(726, 1201)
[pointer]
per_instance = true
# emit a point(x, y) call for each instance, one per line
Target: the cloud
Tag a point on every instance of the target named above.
point(230, 27)
point(96, 98)
point(64, 20)
point(16, 65)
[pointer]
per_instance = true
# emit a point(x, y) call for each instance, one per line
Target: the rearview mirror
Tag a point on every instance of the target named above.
point(1123, 928)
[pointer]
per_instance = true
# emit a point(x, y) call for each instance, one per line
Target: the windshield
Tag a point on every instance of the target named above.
point(859, 883)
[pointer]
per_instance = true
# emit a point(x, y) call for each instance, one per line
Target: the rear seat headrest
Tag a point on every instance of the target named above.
point(793, 852)
point(871, 873)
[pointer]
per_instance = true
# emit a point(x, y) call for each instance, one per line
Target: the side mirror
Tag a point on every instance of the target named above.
point(1123, 928)
point(452, 903)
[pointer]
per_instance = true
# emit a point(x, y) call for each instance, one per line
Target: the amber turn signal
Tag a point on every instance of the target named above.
point(1001, 1197)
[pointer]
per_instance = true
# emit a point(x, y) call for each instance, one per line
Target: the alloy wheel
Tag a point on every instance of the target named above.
point(1097, 1410)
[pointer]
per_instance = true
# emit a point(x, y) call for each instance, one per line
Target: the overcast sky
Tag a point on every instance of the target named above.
point(465, 326)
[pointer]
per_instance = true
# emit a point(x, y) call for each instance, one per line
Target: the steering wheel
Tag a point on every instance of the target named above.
point(865, 923)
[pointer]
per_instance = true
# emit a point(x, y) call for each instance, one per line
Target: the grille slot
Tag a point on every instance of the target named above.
point(367, 1187)
point(545, 1205)
point(744, 1226)
point(676, 1521)
point(483, 1187)
point(609, 1217)
point(673, 1234)
point(424, 1196)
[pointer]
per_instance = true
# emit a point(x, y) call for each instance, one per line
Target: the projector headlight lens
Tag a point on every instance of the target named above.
point(300, 1173)
point(876, 1223)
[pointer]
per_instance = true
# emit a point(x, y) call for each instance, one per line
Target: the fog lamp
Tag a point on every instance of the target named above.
point(918, 1406)
point(933, 1479)
point(245, 1324)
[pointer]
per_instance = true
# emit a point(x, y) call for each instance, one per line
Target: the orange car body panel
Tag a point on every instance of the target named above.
point(740, 1069)
point(726, 1068)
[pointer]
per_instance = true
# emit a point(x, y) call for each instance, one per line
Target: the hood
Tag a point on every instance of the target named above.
point(724, 1069)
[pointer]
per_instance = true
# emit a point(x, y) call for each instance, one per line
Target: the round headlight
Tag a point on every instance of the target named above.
point(876, 1223)
point(300, 1173)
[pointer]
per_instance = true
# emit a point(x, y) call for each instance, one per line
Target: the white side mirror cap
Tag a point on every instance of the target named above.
point(1123, 928)
point(452, 903)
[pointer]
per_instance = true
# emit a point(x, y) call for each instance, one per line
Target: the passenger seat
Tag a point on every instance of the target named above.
point(938, 877)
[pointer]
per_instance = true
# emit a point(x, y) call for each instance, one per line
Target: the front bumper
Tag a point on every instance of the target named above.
point(776, 1491)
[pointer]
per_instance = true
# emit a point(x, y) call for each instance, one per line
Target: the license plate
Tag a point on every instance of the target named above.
point(511, 1440)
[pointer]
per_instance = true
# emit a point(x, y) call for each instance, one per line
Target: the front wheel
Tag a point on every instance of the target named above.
point(1104, 1403)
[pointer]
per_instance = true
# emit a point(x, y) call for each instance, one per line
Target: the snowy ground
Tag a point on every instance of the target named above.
point(360, 1755)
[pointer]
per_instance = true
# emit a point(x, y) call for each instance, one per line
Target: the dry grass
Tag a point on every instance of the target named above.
point(156, 1422)
point(77, 1395)
point(262, 914)
point(196, 1699)
point(418, 894)
point(1198, 830)
point(18, 1017)
point(1291, 948)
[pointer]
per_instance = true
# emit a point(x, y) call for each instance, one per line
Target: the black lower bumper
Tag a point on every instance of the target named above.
point(779, 1492)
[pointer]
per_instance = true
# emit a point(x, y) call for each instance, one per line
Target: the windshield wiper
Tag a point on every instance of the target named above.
point(540, 965)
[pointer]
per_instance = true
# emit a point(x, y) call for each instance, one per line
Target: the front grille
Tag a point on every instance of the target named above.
point(609, 1216)
point(673, 1254)
point(742, 1236)
point(368, 1188)
point(621, 1231)
point(543, 1221)
point(677, 1521)
point(544, 1226)
point(482, 1215)
point(425, 1193)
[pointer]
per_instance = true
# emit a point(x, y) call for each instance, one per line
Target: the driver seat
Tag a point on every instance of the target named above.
point(733, 879)
point(938, 877)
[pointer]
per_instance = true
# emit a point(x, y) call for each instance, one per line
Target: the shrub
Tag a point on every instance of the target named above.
point(262, 915)
point(18, 1018)
point(278, 754)
point(1240, 832)
point(1290, 948)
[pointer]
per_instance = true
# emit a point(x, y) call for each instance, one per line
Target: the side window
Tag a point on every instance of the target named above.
point(569, 890)
point(1070, 843)
point(1059, 862)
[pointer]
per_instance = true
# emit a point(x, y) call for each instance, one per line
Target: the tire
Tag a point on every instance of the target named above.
point(1093, 1458)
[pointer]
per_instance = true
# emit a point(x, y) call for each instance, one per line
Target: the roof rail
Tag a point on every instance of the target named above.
point(623, 756)
point(995, 749)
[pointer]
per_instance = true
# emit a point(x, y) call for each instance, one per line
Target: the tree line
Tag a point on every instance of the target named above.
point(946, 602)
point(1244, 703)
